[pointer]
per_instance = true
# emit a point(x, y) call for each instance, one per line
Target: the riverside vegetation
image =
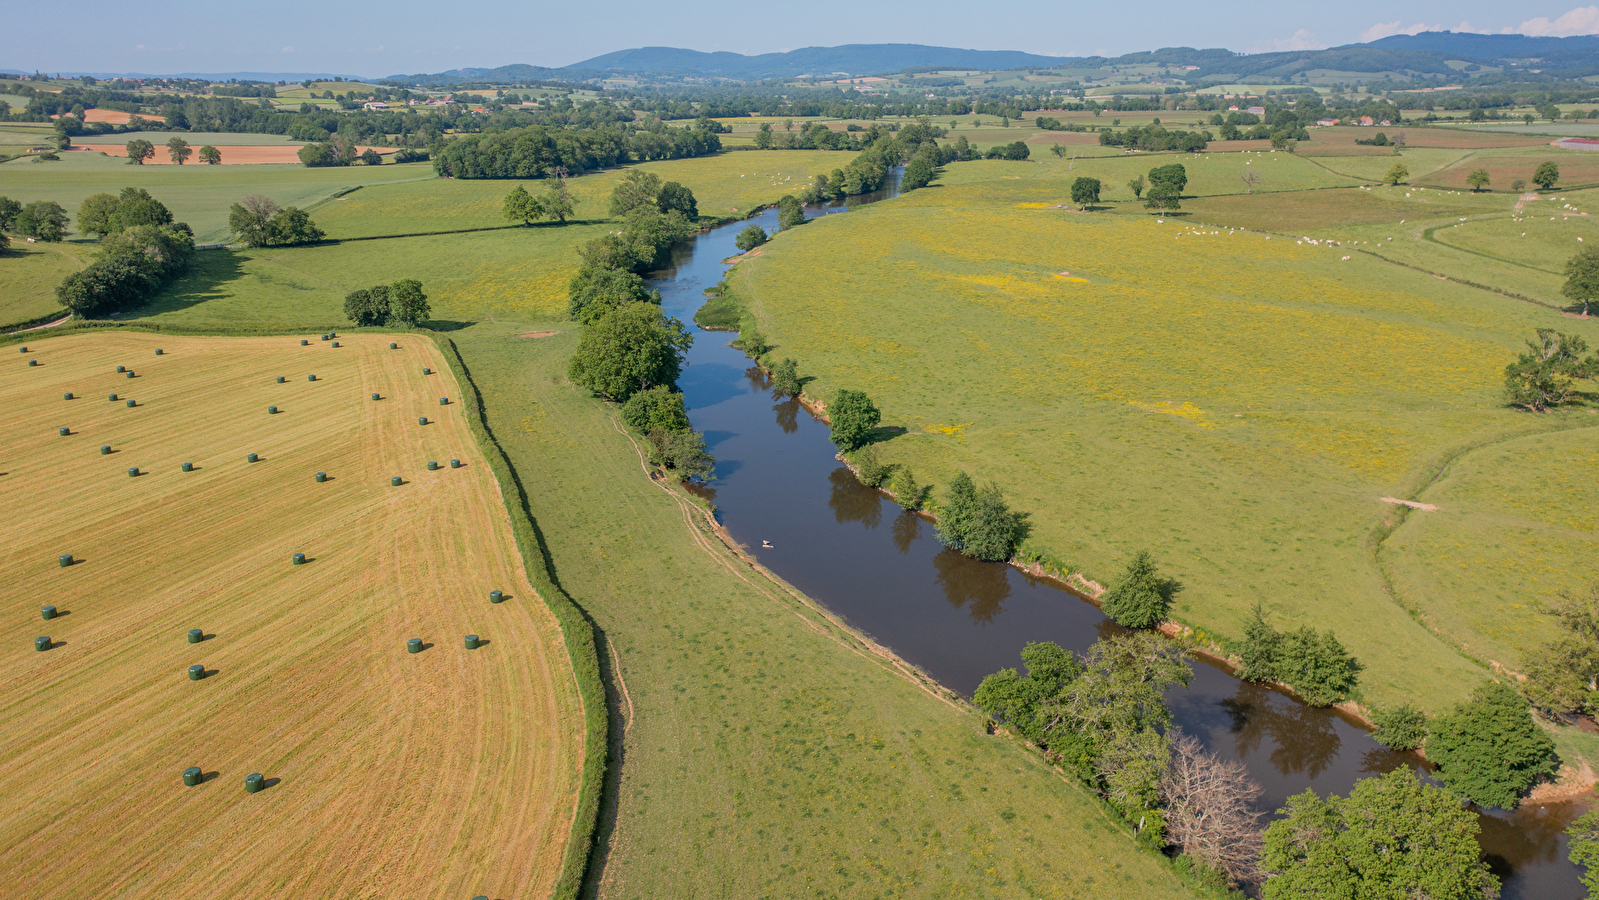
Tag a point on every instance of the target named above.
point(903, 789)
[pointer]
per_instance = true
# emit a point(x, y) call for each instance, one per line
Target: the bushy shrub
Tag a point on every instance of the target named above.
point(785, 378)
point(750, 238)
point(907, 493)
point(852, 418)
point(1489, 750)
point(1401, 727)
point(872, 472)
point(978, 522)
point(1138, 599)
point(659, 408)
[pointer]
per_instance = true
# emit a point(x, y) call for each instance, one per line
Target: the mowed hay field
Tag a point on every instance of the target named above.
point(443, 774)
point(1236, 404)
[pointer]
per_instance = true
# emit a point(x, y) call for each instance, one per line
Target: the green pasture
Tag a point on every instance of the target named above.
point(1048, 179)
point(29, 274)
point(197, 194)
point(763, 753)
point(1235, 404)
point(1320, 212)
point(1536, 241)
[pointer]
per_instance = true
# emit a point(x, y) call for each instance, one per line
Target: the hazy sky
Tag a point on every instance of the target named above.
point(407, 36)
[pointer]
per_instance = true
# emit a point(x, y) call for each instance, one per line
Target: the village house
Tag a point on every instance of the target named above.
point(1258, 110)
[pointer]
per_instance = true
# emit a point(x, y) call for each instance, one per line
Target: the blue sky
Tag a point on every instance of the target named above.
point(405, 36)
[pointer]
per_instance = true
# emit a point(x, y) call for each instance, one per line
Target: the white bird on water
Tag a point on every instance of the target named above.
point(767, 545)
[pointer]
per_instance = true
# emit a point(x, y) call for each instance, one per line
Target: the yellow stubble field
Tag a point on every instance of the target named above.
point(446, 773)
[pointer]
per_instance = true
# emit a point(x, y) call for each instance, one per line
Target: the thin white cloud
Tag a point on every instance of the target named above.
point(1299, 40)
point(288, 49)
point(1582, 20)
point(1388, 29)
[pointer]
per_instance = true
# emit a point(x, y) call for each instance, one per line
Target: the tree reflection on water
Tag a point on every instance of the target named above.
point(1306, 741)
point(852, 501)
point(985, 586)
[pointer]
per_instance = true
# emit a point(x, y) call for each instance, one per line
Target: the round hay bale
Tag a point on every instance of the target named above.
point(281, 379)
point(121, 369)
point(196, 672)
point(426, 371)
point(158, 351)
point(471, 642)
point(414, 645)
point(133, 472)
point(335, 343)
point(24, 349)
point(67, 396)
point(421, 420)
point(272, 410)
point(42, 643)
point(132, 403)
point(252, 458)
point(130, 373)
point(298, 559)
point(310, 378)
point(321, 477)
point(47, 612)
point(455, 464)
point(432, 466)
point(444, 401)
point(65, 432)
point(376, 397)
point(395, 481)
point(65, 559)
point(192, 776)
point(394, 346)
point(32, 362)
point(254, 783)
point(112, 398)
point(105, 450)
point(196, 635)
point(304, 342)
point(188, 467)
point(496, 596)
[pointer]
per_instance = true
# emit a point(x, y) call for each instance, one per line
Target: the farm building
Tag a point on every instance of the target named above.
point(1577, 143)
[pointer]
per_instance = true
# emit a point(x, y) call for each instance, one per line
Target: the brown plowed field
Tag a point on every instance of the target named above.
point(444, 774)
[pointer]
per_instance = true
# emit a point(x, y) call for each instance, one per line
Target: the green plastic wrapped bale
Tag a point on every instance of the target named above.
point(133, 472)
point(394, 346)
point(376, 397)
point(321, 477)
point(281, 379)
point(252, 458)
point(304, 342)
point(310, 378)
point(105, 450)
point(188, 467)
point(253, 783)
point(444, 401)
point(395, 481)
point(426, 371)
point(41, 643)
point(130, 373)
point(65, 559)
point(496, 596)
point(272, 410)
point(432, 466)
point(299, 559)
point(335, 343)
point(112, 398)
point(455, 464)
point(414, 645)
point(47, 612)
point(33, 362)
point(158, 351)
point(421, 420)
point(65, 432)
point(67, 396)
point(192, 776)
point(132, 403)
point(196, 672)
point(121, 369)
point(24, 349)
point(471, 642)
point(196, 635)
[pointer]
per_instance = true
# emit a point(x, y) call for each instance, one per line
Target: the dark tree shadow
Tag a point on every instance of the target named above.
point(883, 433)
point(907, 530)
point(208, 272)
point(852, 501)
point(978, 587)
point(446, 325)
point(787, 415)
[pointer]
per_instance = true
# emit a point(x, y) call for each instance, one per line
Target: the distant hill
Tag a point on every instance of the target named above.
point(513, 74)
point(852, 59)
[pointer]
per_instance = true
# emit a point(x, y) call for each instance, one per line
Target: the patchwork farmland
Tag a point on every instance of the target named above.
point(445, 773)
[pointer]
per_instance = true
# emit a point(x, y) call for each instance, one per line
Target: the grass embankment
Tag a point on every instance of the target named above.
point(767, 752)
point(764, 750)
point(1237, 405)
point(450, 772)
point(29, 274)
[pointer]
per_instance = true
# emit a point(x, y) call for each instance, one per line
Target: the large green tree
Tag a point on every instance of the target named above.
point(674, 196)
point(140, 150)
point(1489, 750)
point(179, 150)
point(1582, 276)
point(43, 220)
point(593, 292)
point(1546, 176)
point(637, 189)
point(852, 418)
point(410, 306)
point(1544, 376)
point(1085, 191)
point(978, 522)
point(1139, 599)
point(1393, 837)
point(632, 348)
point(210, 155)
point(95, 212)
point(9, 210)
point(751, 237)
point(250, 219)
point(1563, 674)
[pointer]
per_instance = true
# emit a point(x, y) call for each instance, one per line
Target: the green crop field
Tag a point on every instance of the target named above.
point(1235, 402)
point(197, 194)
point(29, 274)
point(452, 772)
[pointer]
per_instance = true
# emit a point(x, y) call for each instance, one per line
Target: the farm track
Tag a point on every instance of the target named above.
point(443, 774)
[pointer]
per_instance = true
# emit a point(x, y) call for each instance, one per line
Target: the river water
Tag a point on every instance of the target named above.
point(883, 570)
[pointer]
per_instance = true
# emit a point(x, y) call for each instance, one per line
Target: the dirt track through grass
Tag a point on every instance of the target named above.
point(445, 774)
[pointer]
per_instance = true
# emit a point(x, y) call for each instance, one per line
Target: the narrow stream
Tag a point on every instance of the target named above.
point(883, 570)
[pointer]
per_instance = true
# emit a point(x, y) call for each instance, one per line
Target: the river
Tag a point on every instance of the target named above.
point(883, 570)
